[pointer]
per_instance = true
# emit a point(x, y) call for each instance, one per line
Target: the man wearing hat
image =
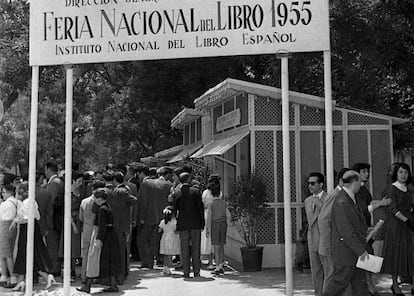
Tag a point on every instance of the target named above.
point(153, 197)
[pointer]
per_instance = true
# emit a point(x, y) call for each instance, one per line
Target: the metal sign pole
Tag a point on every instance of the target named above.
point(286, 174)
point(32, 180)
point(68, 181)
point(328, 121)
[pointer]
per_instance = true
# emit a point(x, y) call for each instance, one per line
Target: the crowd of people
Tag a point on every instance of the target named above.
point(344, 225)
point(159, 216)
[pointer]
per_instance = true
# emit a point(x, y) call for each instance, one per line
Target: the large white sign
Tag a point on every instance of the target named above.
point(93, 31)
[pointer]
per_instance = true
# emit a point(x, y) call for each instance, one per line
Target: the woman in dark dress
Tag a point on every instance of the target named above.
point(398, 241)
point(106, 240)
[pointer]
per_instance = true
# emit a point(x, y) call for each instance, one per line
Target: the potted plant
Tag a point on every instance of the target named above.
point(247, 205)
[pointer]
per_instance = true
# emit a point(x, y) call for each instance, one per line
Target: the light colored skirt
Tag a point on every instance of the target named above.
point(205, 241)
point(7, 239)
point(94, 256)
point(170, 244)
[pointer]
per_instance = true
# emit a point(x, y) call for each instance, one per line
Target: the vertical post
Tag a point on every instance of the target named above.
point(286, 175)
point(328, 121)
point(68, 180)
point(32, 180)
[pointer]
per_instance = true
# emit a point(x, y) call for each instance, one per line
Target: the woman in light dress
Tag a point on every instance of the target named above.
point(207, 197)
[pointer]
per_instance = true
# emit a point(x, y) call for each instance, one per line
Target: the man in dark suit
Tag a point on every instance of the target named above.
point(349, 232)
point(142, 175)
point(190, 222)
point(121, 202)
point(56, 189)
point(43, 199)
point(132, 187)
point(313, 205)
point(153, 198)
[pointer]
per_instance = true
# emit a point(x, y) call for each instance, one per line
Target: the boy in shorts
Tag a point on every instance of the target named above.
point(217, 227)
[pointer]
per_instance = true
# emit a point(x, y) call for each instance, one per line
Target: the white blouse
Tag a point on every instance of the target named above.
point(8, 209)
point(207, 198)
point(24, 210)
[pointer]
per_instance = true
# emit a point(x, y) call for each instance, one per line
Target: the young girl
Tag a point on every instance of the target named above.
point(170, 241)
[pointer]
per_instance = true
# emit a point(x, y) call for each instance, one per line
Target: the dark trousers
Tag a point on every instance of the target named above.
point(52, 241)
point(193, 236)
point(122, 237)
point(140, 242)
point(342, 277)
point(148, 236)
point(134, 244)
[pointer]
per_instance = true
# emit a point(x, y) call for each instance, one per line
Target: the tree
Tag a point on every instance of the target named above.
point(14, 50)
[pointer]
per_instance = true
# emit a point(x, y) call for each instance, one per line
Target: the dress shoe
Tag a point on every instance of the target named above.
point(50, 281)
point(2, 284)
point(396, 294)
point(10, 285)
point(84, 289)
point(110, 289)
point(20, 286)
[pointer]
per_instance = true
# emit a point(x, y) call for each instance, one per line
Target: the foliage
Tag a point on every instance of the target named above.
point(201, 171)
point(247, 205)
point(14, 50)
point(14, 133)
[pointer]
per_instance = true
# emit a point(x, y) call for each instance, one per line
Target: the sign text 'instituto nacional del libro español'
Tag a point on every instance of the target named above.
point(92, 31)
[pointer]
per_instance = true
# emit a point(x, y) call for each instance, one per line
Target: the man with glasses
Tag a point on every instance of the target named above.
point(313, 205)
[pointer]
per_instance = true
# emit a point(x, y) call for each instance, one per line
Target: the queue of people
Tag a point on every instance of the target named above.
point(344, 224)
point(165, 207)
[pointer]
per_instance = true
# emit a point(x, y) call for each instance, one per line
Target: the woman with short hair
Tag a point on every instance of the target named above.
point(8, 211)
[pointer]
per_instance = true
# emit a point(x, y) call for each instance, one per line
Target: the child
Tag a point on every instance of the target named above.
point(170, 241)
point(217, 226)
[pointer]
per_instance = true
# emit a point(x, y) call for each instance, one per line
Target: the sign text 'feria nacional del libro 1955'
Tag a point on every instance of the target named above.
point(94, 31)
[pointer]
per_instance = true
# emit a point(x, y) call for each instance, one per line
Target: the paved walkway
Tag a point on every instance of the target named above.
point(153, 283)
